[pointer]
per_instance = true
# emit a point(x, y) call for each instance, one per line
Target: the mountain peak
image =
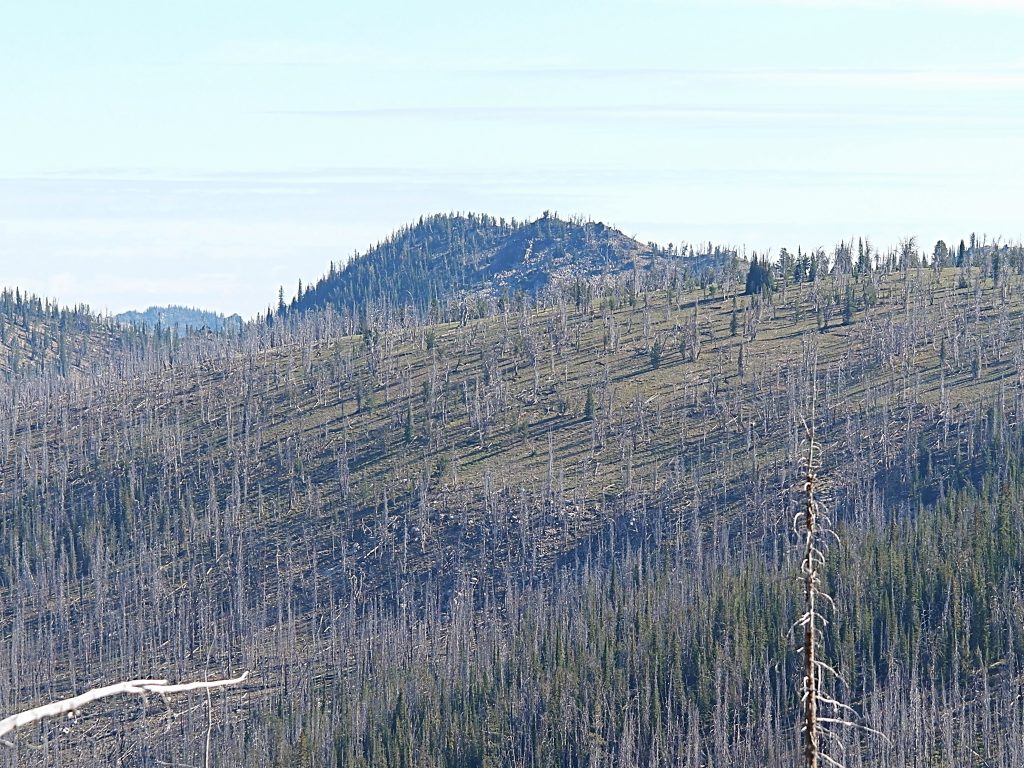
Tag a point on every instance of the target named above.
point(447, 256)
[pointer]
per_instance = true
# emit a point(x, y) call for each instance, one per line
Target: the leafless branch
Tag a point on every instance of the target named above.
point(138, 687)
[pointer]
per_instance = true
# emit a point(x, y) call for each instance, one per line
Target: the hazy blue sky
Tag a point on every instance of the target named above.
point(206, 152)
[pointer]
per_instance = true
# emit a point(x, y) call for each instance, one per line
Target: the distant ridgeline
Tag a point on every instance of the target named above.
point(181, 319)
point(447, 258)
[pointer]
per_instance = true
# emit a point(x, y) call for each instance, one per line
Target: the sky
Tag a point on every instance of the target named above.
point(206, 152)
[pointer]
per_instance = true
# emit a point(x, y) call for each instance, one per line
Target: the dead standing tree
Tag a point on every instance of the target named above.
point(820, 710)
point(811, 621)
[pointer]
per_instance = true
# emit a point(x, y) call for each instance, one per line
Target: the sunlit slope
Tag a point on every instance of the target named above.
point(526, 431)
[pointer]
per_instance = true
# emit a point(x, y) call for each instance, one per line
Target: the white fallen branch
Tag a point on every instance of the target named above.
point(138, 687)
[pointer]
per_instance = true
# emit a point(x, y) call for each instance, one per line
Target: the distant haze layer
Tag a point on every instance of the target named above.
point(206, 154)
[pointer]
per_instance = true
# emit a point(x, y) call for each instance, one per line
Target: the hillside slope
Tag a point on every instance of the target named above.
point(39, 338)
point(374, 523)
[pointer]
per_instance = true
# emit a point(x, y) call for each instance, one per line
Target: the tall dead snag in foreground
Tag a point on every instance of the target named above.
point(813, 523)
point(821, 710)
point(810, 519)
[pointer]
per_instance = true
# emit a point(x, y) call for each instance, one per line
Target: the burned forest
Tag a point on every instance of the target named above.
point(502, 493)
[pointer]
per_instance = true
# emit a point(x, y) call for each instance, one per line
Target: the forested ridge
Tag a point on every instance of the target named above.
point(39, 339)
point(183, 320)
point(434, 265)
point(547, 527)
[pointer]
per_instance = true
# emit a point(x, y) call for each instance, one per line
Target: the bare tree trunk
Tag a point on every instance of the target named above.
point(809, 568)
point(140, 687)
